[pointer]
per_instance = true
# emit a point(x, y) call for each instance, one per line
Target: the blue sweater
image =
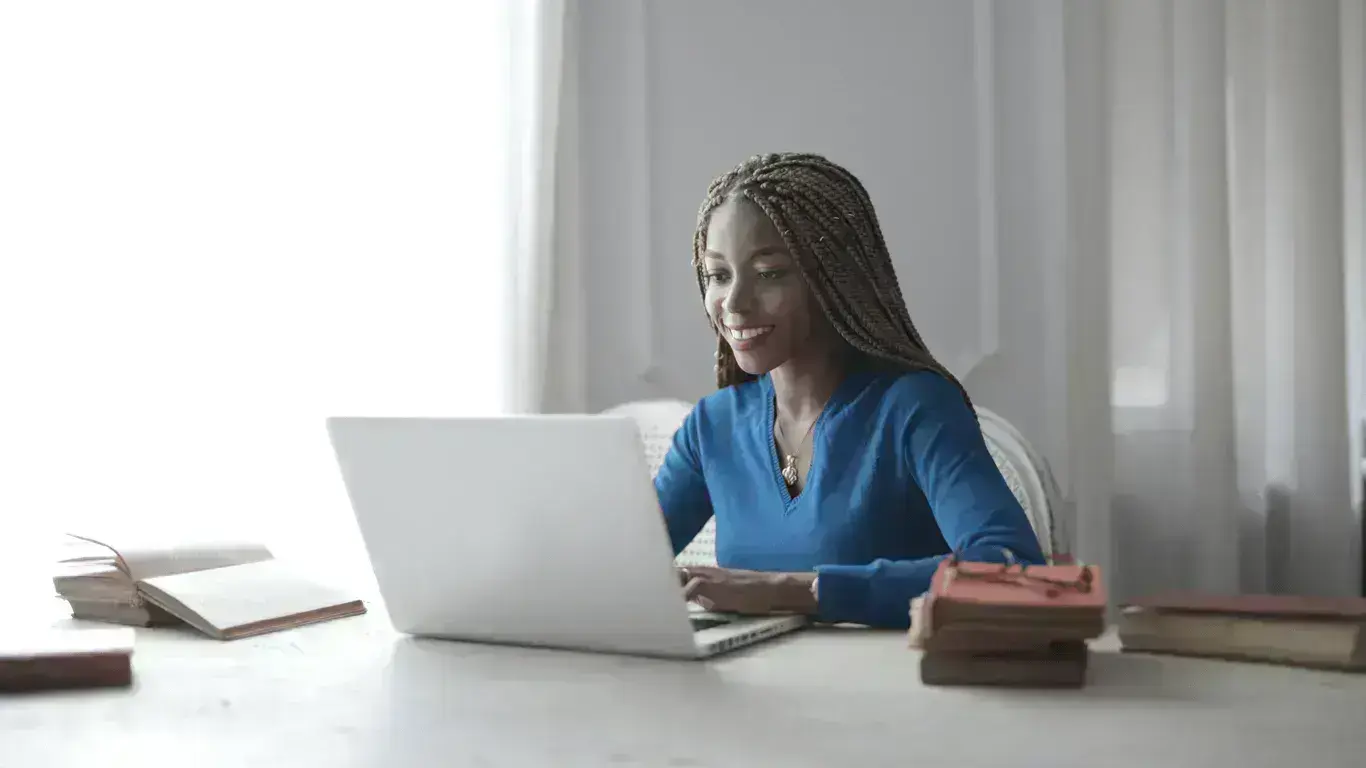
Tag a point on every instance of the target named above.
point(900, 476)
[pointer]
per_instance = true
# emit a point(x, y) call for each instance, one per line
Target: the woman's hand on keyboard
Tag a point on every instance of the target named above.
point(748, 592)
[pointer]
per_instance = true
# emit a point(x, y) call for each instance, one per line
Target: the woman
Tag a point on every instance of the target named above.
point(841, 460)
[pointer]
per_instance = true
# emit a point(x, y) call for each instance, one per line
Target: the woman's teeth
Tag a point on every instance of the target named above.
point(745, 334)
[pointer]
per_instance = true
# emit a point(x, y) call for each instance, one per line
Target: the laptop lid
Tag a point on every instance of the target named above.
point(534, 530)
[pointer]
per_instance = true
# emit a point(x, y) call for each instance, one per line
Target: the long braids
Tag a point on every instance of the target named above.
point(828, 223)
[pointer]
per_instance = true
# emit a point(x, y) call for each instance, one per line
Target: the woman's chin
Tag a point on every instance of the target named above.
point(755, 364)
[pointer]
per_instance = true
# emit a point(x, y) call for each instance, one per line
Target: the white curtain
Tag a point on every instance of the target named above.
point(547, 341)
point(1216, 200)
point(221, 224)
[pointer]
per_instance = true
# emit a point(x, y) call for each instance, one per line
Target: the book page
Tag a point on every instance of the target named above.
point(149, 556)
point(221, 600)
point(75, 551)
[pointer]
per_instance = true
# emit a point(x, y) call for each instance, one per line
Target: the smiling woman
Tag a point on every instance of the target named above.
point(840, 459)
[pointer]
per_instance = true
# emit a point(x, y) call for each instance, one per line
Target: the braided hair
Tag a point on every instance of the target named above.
point(827, 221)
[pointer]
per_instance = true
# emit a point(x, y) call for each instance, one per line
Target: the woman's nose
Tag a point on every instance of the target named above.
point(737, 299)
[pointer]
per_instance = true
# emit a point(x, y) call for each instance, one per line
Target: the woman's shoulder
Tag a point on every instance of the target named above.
point(912, 395)
point(718, 419)
point(909, 388)
point(922, 386)
point(726, 407)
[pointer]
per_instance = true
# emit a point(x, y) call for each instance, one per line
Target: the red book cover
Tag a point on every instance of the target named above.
point(1044, 586)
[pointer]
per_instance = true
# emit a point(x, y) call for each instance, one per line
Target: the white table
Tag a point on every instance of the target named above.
point(351, 693)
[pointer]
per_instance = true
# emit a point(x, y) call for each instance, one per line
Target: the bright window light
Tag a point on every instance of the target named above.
point(222, 223)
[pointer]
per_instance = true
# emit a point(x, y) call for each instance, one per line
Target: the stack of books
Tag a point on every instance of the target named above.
point(225, 589)
point(1008, 625)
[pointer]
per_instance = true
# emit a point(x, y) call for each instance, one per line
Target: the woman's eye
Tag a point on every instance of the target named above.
point(771, 274)
point(717, 277)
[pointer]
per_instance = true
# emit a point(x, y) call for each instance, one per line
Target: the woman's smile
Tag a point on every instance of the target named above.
point(747, 336)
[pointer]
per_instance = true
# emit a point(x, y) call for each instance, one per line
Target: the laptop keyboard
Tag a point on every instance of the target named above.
point(700, 623)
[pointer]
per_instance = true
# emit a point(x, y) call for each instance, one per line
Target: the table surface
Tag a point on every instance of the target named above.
point(354, 693)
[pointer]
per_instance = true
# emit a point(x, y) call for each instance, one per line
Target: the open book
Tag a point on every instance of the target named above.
point(225, 589)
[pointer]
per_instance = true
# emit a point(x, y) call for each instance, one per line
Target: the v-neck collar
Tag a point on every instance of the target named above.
point(835, 400)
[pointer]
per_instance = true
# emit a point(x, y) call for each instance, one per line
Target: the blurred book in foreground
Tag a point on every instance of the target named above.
point(49, 658)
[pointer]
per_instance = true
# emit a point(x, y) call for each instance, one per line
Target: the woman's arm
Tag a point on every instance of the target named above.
point(682, 490)
point(978, 515)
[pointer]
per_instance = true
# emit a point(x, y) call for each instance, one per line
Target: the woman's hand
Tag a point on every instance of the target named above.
point(748, 592)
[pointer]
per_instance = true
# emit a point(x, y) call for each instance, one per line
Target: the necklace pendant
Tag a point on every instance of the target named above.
point(790, 471)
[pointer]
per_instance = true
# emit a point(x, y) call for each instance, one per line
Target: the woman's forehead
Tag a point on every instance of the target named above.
point(739, 228)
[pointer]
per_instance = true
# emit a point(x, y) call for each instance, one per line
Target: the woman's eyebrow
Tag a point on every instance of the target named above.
point(763, 250)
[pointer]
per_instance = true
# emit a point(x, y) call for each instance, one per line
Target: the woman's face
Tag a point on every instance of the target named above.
point(755, 292)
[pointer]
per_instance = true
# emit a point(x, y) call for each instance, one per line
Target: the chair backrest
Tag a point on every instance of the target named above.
point(1029, 477)
point(1025, 471)
point(657, 421)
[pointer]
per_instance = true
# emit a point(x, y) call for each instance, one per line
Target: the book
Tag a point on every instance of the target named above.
point(1317, 632)
point(1056, 665)
point(1007, 625)
point(145, 615)
point(249, 599)
point(101, 581)
point(1058, 602)
point(51, 658)
point(223, 588)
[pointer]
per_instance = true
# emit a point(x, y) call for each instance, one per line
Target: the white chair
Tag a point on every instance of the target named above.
point(657, 421)
point(1024, 470)
point(1027, 473)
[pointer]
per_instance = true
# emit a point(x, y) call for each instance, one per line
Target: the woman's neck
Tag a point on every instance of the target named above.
point(802, 385)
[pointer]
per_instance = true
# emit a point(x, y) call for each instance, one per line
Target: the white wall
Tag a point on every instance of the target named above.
point(982, 131)
point(950, 111)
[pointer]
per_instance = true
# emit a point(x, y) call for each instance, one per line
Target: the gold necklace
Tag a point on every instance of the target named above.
point(789, 470)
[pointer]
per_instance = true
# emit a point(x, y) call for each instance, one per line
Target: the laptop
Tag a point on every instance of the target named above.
point(534, 530)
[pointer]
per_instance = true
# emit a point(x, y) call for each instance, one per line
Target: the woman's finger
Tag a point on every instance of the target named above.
point(693, 588)
point(706, 594)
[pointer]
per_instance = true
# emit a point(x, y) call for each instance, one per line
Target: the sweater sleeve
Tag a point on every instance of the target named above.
point(681, 487)
point(975, 509)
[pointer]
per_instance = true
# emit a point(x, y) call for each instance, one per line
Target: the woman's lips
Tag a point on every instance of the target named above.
point(748, 336)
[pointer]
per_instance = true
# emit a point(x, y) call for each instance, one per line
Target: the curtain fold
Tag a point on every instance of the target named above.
point(1230, 129)
point(544, 51)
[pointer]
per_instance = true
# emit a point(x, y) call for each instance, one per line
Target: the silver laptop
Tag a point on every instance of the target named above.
point(526, 530)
